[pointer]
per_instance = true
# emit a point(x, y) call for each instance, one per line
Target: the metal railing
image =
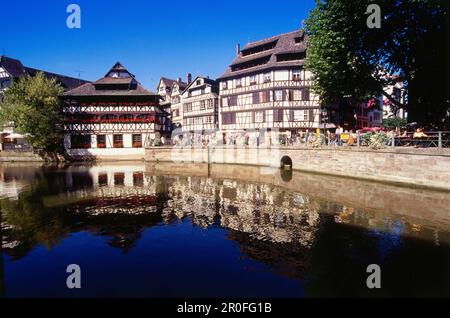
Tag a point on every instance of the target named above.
point(435, 139)
point(17, 147)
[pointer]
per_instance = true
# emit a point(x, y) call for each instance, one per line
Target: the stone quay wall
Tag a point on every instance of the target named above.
point(413, 167)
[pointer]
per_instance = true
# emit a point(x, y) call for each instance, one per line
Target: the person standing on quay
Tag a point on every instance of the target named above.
point(339, 131)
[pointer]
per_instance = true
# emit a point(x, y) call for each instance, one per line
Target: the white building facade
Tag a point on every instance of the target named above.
point(267, 87)
point(200, 102)
point(114, 117)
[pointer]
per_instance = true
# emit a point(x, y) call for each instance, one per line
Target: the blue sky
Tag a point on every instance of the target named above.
point(152, 39)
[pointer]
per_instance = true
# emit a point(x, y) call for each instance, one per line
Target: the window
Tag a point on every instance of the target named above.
point(277, 115)
point(238, 82)
point(198, 82)
point(224, 85)
point(232, 100)
point(228, 118)
point(137, 141)
point(119, 178)
point(278, 95)
point(397, 94)
point(202, 105)
point(101, 141)
point(305, 93)
point(259, 116)
point(297, 115)
point(252, 79)
point(126, 117)
point(102, 179)
point(138, 179)
point(296, 75)
point(267, 77)
point(209, 103)
point(80, 141)
point(296, 94)
point(265, 96)
point(187, 107)
point(225, 102)
point(305, 115)
point(255, 98)
point(118, 141)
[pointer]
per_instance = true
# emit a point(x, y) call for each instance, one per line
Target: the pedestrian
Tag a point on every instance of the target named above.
point(257, 138)
point(307, 136)
point(339, 131)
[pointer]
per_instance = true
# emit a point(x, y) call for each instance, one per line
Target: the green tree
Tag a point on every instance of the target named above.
point(353, 62)
point(32, 104)
point(394, 123)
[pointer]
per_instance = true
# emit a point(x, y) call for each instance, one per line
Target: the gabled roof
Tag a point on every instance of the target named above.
point(181, 85)
point(118, 81)
point(167, 81)
point(265, 54)
point(206, 80)
point(16, 69)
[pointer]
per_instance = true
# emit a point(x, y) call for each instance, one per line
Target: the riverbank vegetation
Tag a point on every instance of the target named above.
point(31, 105)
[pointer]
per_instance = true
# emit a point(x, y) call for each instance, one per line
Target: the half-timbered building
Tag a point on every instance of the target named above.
point(200, 102)
point(267, 87)
point(112, 117)
point(176, 107)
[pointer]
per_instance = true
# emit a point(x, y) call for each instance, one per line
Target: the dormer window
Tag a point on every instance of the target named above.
point(296, 75)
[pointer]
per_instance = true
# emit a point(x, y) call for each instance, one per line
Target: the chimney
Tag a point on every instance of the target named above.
point(189, 78)
point(179, 79)
point(238, 49)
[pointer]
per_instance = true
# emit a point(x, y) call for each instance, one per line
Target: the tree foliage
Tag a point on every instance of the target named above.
point(32, 104)
point(349, 59)
point(394, 123)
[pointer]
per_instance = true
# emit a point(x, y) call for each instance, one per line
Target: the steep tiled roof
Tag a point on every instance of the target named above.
point(90, 90)
point(112, 85)
point(265, 54)
point(16, 69)
point(169, 82)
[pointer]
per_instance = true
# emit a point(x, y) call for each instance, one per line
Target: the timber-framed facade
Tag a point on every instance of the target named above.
point(267, 87)
point(114, 116)
point(200, 102)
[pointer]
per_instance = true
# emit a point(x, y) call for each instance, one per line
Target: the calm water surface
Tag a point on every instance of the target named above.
point(169, 230)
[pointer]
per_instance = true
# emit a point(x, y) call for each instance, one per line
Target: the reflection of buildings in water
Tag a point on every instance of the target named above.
point(14, 178)
point(193, 197)
point(266, 212)
point(269, 213)
point(121, 195)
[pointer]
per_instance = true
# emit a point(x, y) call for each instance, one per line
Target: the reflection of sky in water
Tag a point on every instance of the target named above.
point(390, 238)
point(188, 236)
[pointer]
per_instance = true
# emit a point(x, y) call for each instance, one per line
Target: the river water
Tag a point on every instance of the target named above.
point(174, 230)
